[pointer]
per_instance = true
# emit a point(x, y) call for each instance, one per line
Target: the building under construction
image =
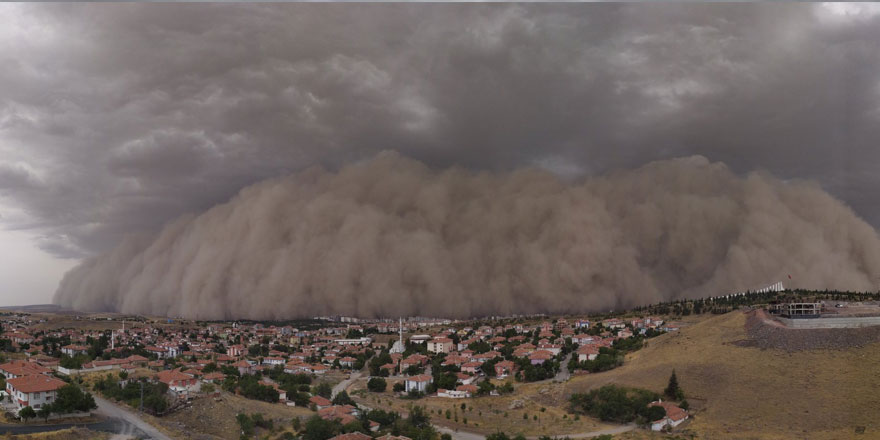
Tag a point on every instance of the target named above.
point(796, 310)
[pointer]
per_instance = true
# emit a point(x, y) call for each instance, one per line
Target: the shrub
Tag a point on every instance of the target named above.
point(377, 385)
point(27, 413)
point(612, 403)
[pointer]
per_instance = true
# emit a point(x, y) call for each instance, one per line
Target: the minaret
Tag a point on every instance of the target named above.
point(400, 330)
point(402, 348)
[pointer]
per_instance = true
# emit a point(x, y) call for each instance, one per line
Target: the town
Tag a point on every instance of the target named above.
point(330, 366)
point(630, 374)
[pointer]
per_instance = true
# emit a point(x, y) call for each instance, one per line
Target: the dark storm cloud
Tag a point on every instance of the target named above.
point(117, 118)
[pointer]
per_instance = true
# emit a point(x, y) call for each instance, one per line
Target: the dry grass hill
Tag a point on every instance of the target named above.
point(746, 392)
point(736, 389)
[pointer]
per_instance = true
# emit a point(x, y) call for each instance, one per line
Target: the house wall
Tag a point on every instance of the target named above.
point(34, 400)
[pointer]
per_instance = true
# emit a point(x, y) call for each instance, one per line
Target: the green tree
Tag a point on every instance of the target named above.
point(323, 389)
point(377, 384)
point(343, 399)
point(319, 429)
point(246, 424)
point(27, 413)
point(45, 412)
point(70, 398)
point(654, 413)
point(673, 390)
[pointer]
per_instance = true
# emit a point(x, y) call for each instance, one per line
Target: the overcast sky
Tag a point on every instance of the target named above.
point(116, 118)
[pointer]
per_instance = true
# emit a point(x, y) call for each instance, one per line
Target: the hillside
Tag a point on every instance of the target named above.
point(751, 393)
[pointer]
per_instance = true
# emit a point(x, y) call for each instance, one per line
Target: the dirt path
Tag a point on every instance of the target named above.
point(345, 383)
point(109, 409)
point(465, 435)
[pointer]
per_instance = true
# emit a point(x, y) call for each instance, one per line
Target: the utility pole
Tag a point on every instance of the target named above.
point(141, 407)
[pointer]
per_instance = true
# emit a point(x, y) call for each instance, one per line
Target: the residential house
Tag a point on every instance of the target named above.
point(73, 350)
point(418, 383)
point(18, 368)
point(587, 352)
point(179, 382)
point(34, 390)
point(674, 415)
point(504, 369)
point(440, 345)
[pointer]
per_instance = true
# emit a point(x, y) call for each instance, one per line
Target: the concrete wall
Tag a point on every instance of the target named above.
point(851, 322)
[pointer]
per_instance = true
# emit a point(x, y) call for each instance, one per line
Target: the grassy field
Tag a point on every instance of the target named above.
point(209, 418)
point(489, 414)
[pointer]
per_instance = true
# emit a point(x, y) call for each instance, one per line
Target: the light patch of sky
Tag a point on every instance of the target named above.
point(27, 274)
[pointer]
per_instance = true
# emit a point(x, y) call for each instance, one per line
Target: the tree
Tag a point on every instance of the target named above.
point(323, 389)
point(343, 399)
point(73, 399)
point(45, 412)
point(246, 424)
point(673, 391)
point(398, 387)
point(27, 413)
point(319, 429)
point(377, 385)
point(654, 413)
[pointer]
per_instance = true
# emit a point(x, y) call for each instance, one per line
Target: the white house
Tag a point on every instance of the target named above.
point(440, 345)
point(160, 352)
point(418, 339)
point(453, 394)
point(273, 360)
point(179, 382)
point(674, 416)
point(587, 353)
point(73, 350)
point(418, 383)
point(358, 341)
point(34, 390)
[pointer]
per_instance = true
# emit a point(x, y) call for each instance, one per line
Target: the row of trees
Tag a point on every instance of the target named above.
point(129, 392)
point(69, 399)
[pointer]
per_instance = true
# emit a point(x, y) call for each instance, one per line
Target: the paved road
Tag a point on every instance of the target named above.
point(106, 426)
point(132, 423)
point(345, 383)
point(563, 374)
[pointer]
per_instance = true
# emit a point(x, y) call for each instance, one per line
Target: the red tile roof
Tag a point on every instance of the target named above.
point(35, 383)
point(23, 368)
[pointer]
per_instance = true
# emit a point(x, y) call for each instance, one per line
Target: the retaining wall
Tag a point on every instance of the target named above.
point(849, 322)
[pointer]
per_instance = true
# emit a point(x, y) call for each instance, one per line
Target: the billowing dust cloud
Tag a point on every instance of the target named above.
point(391, 237)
